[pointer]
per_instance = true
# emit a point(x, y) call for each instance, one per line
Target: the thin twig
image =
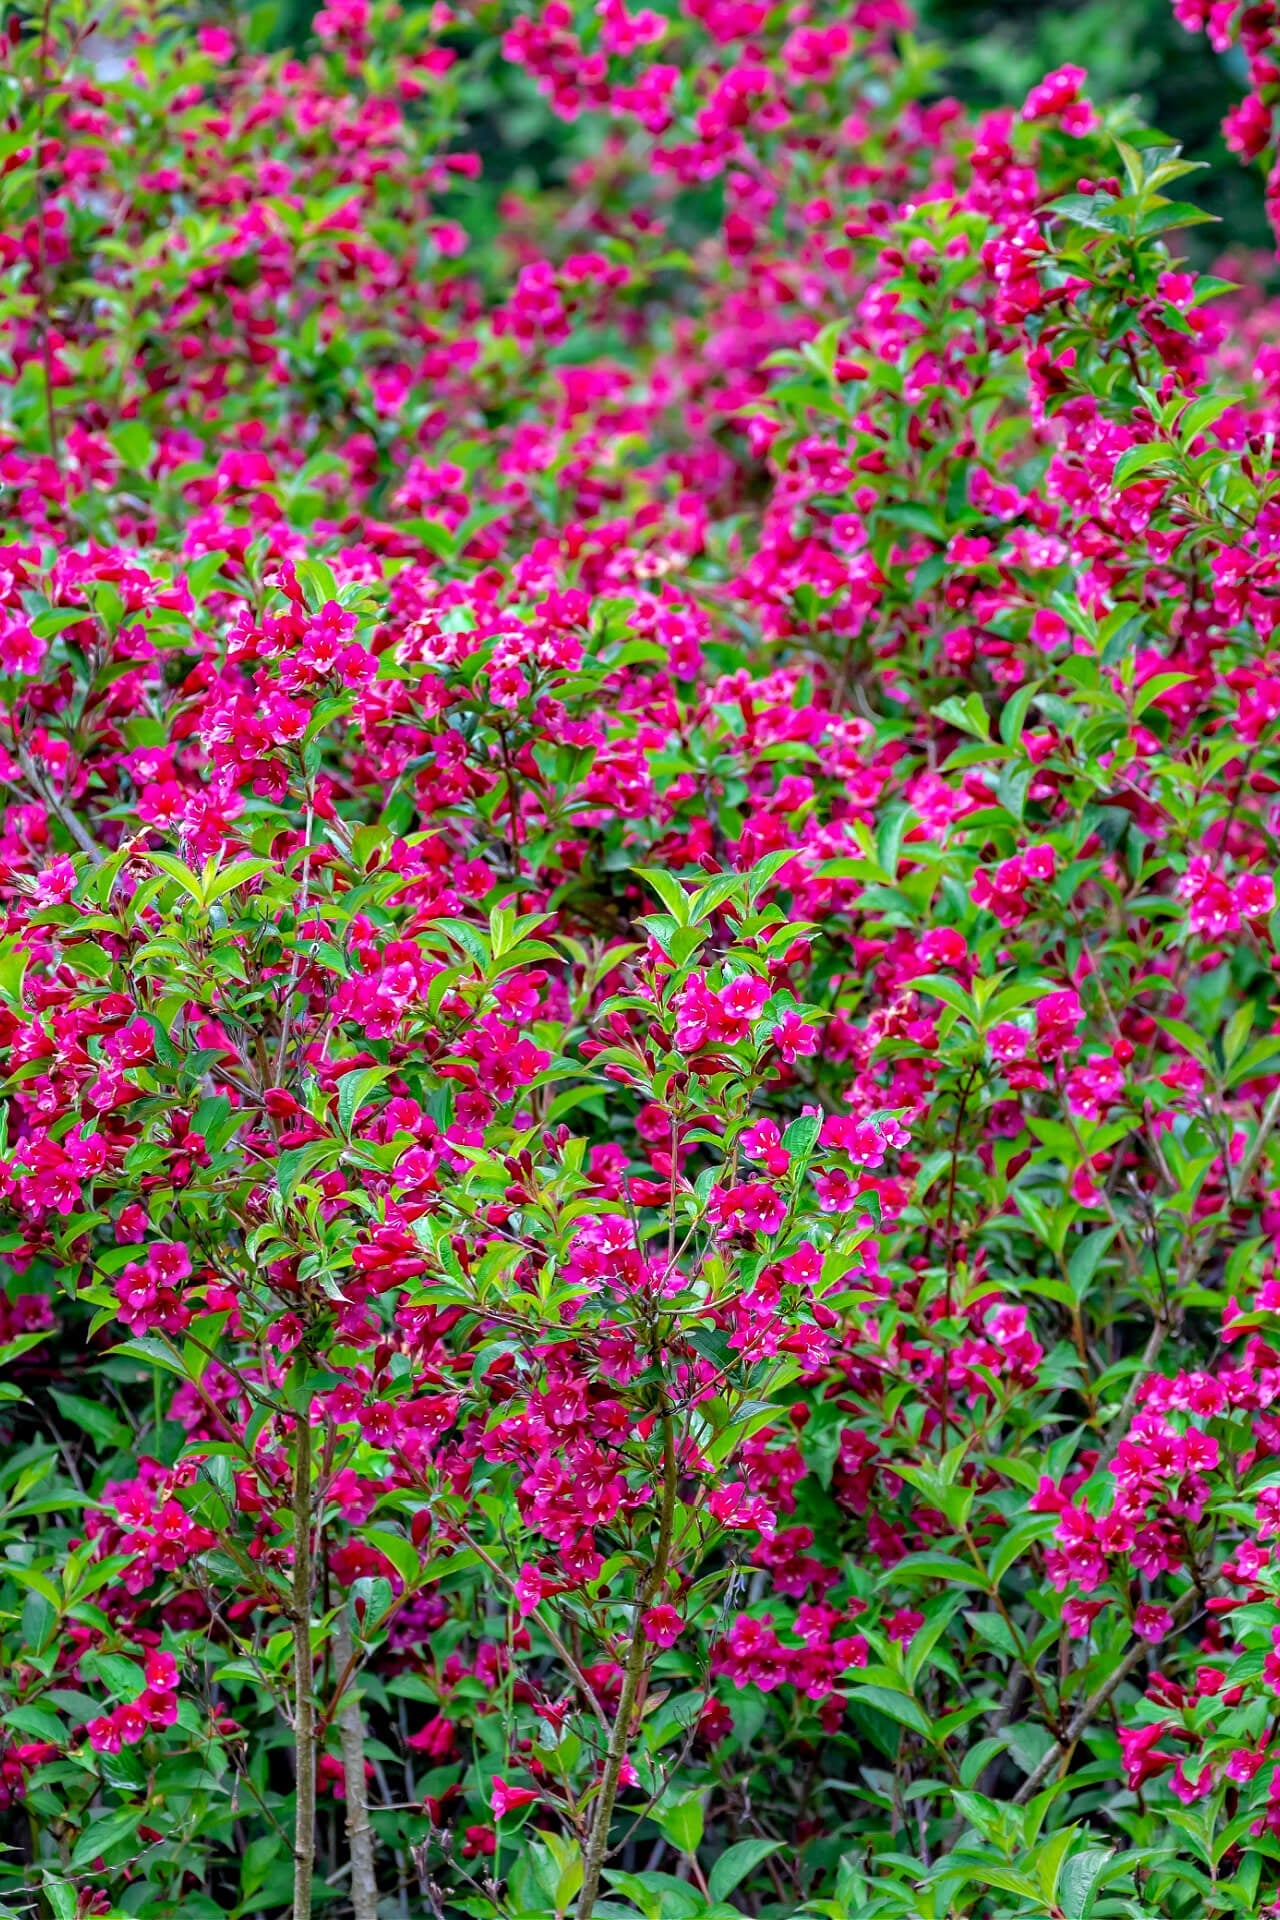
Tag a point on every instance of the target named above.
point(501, 1573)
point(1062, 1749)
point(78, 831)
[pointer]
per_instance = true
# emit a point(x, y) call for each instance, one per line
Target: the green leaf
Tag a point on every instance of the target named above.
point(202, 573)
point(316, 577)
point(995, 1630)
point(1078, 1881)
point(1022, 1535)
point(1186, 1037)
point(258, 1856)
point(152, 1352)
point(1050, 1856)
point(709, 899)
point(1150, 690)
point(898, 1706)
point(62, 1898)
point(975, 1760)
point(801, 1136)
point(35, 1582)
point(402, 1553)
point(889, 837)
point(1139, 460)
point(1170, 215)
point(134, 444)
point(1086, 1257)
point(1007, 1879)
point(935, 1566)
point(216, 1120)
point(238, 874)
point(1028, 1743)
point(13, 968)
point(670, 891)
point(37, 1723)
point(735, 1863)
point(1013, 715)
point(123, 1676)
point(188, 881)
point(983, 1815)
point(948, 991)
point(682, 1823)
point(292, 1166)
point(46, 626)
point(97, 1420)
point(354, 1090)
point(103, 1835)
point(966, 716)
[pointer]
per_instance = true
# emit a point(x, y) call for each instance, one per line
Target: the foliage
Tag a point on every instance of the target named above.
point(637, 990)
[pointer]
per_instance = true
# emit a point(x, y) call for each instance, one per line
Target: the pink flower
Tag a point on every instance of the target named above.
point(1211, 904)
point(1142, 1757)
point(162, 1672)
point(1049, 630)
point(530, 1588)
point(754, 1207)
point(763, 1142)
point(160, 1707)
point(1057, 1017)
point(56, 884)
point(506, 1799)
point(1152, 1623)
point(662, 1625)
point(1187, 1789)
point(1255, 895)
point(865, 1141)
point(436, 1738)
point(794, 1037)
point(20, 650)
point(132, 1721)
point(217, 43)
point(1006, 1041)
point(1247, 127)
point(104, 1734)
point(1057, 92)
point(1078, 1617)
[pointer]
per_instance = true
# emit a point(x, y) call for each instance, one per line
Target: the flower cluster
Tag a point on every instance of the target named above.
point(155, 1706)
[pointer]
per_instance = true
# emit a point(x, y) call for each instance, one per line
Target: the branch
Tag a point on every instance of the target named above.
point(78, 831)
point(364, 1881)
point(304, 1717)
point(1062, 1749)
point(636, 1669)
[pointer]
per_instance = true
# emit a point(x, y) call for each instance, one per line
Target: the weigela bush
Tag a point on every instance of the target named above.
point(637, 985)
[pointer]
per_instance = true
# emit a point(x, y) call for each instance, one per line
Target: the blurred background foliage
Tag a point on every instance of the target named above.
point(1132, 50)
point(990, 52)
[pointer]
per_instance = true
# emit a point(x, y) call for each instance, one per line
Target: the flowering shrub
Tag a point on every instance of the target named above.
point(637, 988)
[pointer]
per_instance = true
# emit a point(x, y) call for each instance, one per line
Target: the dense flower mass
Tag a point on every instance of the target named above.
point(637, 978)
